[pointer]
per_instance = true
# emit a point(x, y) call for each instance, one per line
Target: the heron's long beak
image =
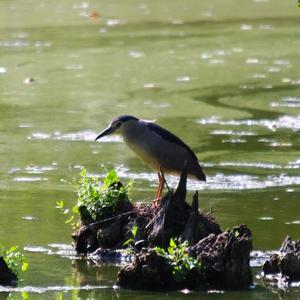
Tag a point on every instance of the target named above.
point(107, 131)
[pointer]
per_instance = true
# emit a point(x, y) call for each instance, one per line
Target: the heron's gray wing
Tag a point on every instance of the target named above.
point(168, 136)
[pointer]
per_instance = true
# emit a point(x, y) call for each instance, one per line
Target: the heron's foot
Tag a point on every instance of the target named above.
point(156, 202)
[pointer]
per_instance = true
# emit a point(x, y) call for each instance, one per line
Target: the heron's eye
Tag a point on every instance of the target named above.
point(118, 124)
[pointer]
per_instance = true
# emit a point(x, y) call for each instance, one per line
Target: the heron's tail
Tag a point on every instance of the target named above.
point(199, 173)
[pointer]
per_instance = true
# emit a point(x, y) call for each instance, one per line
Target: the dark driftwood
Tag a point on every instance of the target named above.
point(147, 271)
point(224, 256)
point(7, 277)
point(286, 262)
point(174, 217)
point(224, 261)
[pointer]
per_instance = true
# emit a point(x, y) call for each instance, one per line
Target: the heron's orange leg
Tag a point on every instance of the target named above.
point(161, 184)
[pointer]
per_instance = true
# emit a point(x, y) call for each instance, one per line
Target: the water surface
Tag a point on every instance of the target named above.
point(224, 76)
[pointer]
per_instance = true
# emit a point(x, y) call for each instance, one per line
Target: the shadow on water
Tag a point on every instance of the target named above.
point(213, 96)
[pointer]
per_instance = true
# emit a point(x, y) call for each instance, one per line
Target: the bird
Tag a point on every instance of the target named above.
point(160, 149)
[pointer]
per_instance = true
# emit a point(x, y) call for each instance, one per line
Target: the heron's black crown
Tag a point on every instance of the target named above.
point(124, 119)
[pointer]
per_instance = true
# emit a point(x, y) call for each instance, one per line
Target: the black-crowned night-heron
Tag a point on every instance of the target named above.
point(157, 147)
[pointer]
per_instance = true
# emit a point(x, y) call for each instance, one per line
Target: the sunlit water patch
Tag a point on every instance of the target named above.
point(254, 61)
point(30, 218)
point(32, 170)
point(260, 165)
point(291, 102)
point(29, 179)
point(232, 132)
point(183, 78)
point(135, 54)
point(258, 258)
point(42, 289)
point(284, 122)
point(25, 125)
point(17, 43)
point(2, 70)
point(73, 136)
point(266, 218)
point(63, 250)
point(234, 141)
point(219, 181)
point(294, 222)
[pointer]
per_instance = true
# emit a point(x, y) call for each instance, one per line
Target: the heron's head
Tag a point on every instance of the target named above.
point(117, 126)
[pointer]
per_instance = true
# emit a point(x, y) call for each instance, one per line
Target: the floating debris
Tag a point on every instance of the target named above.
point(94, 15)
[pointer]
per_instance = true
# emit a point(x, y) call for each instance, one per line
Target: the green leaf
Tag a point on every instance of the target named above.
point(172, 243)
point(12, 249)
point(24, 266)
point(110, 178)
point(129, 241)
point(134, 230)
point(14, 259)
point(100, 199)
point(160, 251)
point(75, 209)
point(171, 250)
point(60, 204)
point(69, 220)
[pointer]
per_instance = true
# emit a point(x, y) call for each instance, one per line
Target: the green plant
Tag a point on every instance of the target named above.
point(14, 259)
point(131, 241)
point(71, 213)
point(101, 199)
point(179, 259)
point(97, 199)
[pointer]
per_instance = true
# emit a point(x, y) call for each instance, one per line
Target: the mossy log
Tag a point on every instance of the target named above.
point(286, 262)
point(7, 276)
point(224, 256)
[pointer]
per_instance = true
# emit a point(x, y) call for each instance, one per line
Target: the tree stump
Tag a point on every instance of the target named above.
point(286, 262)
point(7, 276)
point(224, 257)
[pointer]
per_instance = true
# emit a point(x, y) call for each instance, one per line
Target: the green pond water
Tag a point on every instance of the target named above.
point(222, 75)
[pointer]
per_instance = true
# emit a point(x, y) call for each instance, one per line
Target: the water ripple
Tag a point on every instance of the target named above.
point(63, 250)
point(258, 258)
point(34, 169)
point(85, 135)
point(235, 141)
point(287, 102)
point(220, 181)
point(245, 165)
point(232, 132)
point(42, 289)
point(29, 179)
point(284, 122)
